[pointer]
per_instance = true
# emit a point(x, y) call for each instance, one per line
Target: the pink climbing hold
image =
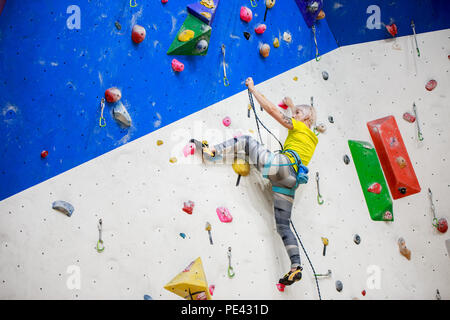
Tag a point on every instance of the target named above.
point(409, 117)
point(164, 1)
point(226, 121)
point(224, 214)
point(138, 34)
point(246, 14)
point(189, 207)
point(282, 105)
point(280, 287)
point(392, 29)
point(189, 149)
point(113, 95)
point(177, 65)
point(260, 28)
point(375, 188)
point(211, 289)
point(431, 85)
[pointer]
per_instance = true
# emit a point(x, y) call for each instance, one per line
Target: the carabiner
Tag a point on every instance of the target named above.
point(253, 3)
point(226, 83)
point(135, 4)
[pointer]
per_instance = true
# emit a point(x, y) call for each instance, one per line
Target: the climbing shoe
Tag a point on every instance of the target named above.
point(292, 277)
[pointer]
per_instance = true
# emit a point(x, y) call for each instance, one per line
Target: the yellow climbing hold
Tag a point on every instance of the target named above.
point(208, 3)
point(190, 284)
point(251, 131)
point(276, 43)
point(186, 35)
point(173, 160)
point(159, 142)
point(207, 15)
point(295, 78)
point(241, 167)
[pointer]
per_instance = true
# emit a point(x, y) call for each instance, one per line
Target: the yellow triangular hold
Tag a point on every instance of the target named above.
point(190, 284)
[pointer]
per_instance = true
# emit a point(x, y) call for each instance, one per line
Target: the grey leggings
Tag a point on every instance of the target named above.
point(284, 176)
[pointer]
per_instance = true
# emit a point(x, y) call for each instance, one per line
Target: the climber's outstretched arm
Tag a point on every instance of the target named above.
point(269, 106)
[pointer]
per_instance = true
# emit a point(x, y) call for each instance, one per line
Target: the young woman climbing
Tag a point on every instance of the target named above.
point(283, 169)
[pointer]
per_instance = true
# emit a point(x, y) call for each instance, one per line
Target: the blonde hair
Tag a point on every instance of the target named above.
point(308, 111)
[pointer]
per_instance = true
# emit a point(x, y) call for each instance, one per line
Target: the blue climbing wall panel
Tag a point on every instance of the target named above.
point(348, 18)
point(52, 78)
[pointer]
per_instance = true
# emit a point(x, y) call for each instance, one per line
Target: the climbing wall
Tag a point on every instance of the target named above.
point(139, 194)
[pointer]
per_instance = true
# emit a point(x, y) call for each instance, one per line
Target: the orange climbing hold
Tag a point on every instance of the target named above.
point(138, 34)
point(264, 50)
point(404, 251)
point(394, 158)
point(113, 95)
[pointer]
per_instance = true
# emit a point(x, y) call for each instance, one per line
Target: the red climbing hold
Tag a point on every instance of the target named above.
point(375, 188)
point(113, 95)
point(442, 225)
point(211, 289)
point(260, 28)
point(164, 1)
point(409, 117)
point(188, 207)
point(282, 105)
point(431, 85)
point(138, 34)
point(246, 14)
point(392, 29)
point(177, 65)
point(44, 154)
point(280, 287)
point(363, 292)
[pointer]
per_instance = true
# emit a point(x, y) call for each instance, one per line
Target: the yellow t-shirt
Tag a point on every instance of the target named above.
point(302, 140)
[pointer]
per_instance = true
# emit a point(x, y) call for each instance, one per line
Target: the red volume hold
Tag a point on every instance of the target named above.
point(394, 158)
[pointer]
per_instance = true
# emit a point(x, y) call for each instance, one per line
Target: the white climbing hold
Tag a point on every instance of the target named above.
point(121, 114)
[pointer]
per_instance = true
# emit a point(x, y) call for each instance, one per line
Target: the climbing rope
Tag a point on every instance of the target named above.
point(310, 263)
point(258, 121)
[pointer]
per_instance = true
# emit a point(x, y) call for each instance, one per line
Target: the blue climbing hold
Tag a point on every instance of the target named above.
point(147, 297)
point(64, 207)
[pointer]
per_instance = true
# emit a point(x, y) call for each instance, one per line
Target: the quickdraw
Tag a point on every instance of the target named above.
point(230, 268)
point(315, 41)
point(100, 246)
point(319, 196)
point(419, 132)
point(102, 121)
point(413, 26)
point(226, 83)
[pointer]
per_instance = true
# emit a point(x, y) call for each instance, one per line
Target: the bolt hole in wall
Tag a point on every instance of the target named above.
point(62, 118)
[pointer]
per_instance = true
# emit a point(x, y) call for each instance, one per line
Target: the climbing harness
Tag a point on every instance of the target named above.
point(102, 121)
point(253, 3)
point(226, 83)
point(135, 4)
point(230, 268)
point(419, 132)
point(315, 41)
point(100, 246)
point(298, 237)
point(413, 26)
point(319, 196)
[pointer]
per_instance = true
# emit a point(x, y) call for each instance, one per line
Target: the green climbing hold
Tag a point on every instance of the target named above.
point(369, 171)
point(198, 44)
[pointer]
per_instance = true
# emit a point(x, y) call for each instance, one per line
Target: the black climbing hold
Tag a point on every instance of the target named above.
point(402, 190)
point(346, 159)
point(357, 239)
point(118, 26)
point(339, 286)
point(325, 75)
point(330, 118)
point(246, 35)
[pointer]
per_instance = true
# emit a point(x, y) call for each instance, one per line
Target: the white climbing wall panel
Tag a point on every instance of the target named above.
point(139, 195)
